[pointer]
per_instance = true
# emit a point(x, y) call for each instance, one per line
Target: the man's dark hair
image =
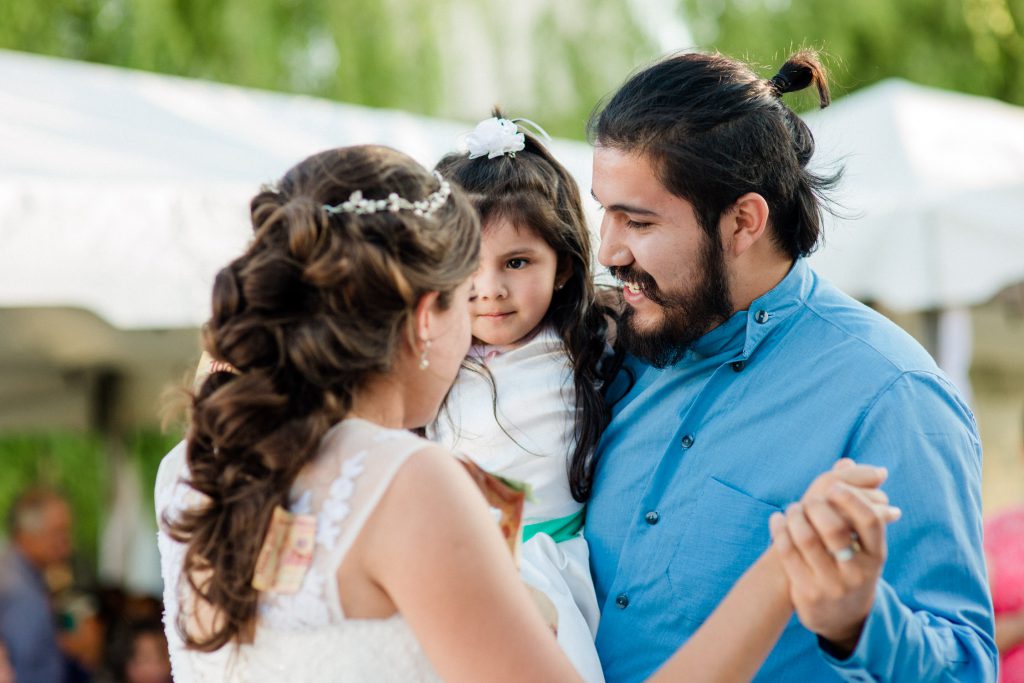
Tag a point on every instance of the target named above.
point(715, 131)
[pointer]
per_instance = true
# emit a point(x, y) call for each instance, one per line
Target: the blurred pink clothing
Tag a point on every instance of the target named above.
point(1004, 547)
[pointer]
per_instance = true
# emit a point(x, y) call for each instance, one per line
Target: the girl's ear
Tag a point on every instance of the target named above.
point(423, 316)
point(564, 271)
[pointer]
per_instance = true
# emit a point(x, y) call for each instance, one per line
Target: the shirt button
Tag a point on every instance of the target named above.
point(737, 366)
point(622, 601)
point(687, 441)
point(652, 517)
point(761, 317)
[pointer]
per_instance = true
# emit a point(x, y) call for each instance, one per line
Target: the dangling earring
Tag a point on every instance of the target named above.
point(424, 361)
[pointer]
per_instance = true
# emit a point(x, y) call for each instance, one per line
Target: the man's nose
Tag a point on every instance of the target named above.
point(613, 250)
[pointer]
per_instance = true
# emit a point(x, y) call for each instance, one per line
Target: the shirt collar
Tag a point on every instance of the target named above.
point(745, 330)
point(725, 339)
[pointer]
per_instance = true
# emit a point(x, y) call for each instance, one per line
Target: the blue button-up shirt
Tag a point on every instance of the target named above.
point(738, 429)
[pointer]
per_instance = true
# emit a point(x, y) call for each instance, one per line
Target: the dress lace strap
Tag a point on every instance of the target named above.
point(365, 459)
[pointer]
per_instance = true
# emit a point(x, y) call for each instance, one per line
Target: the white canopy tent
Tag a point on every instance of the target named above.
point(932, 198)
point(122, 192)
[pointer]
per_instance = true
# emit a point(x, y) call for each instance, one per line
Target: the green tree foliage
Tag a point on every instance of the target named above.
point(549, 61)
point(79, 465)
point(349, 49)
point(973, 46)
point(73, 463)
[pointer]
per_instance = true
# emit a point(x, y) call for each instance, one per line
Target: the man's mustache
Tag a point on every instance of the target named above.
point(638, 278)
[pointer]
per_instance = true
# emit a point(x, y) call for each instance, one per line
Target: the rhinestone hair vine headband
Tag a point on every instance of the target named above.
point(425, 207)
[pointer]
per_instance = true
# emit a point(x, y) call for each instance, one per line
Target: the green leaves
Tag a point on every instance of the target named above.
point(973, 46)
point(80, 466)
point(449, 58)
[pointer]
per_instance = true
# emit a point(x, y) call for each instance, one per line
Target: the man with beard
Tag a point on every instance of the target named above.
point(748, 376)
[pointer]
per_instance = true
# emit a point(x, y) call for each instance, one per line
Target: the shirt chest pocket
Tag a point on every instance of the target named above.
point(726, 532)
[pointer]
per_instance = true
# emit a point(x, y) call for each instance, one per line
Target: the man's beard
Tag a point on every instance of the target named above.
point(688, 315)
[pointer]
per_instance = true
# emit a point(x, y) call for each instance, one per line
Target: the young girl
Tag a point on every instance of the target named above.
point(527, 403)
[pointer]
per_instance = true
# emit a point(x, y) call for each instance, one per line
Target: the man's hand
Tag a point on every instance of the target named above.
point(832, 545)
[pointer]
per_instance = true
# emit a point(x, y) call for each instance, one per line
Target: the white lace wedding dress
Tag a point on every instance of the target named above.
point(305, 636)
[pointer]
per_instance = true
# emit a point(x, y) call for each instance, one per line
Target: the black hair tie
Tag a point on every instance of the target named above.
point(780, 84)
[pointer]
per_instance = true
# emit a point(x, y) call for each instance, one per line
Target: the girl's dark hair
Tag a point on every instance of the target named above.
point(715, 131)
point(318, 304)
point(532, 189)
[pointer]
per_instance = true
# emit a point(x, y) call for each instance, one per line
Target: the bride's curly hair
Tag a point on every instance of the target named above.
point(316, 305)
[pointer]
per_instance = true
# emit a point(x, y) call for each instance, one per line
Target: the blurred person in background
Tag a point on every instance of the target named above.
point(39, 526)
point(6, 672)
point(81, 634)
point(120, 606)
point(138, 652)
point(1004, 552)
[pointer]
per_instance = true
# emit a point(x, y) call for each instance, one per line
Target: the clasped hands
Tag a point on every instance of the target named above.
point(832, 546)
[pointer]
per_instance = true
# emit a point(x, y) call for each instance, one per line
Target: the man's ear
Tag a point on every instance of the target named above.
point(744, 223)
point(424, 314)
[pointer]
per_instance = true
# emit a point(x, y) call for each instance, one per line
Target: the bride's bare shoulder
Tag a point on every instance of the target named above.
point(432, 475)
point(430, 497)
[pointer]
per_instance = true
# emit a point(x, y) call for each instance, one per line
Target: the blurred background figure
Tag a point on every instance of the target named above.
point(138, 652)
point(6, 672)
point(39, 528)
point(82, 626)
point(1004, 551)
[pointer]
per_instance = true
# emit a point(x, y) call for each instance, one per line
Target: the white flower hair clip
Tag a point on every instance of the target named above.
point(495, 137)
point(424, 207)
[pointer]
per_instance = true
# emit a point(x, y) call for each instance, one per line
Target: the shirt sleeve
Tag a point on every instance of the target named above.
point(932, 615)
point(27, 629)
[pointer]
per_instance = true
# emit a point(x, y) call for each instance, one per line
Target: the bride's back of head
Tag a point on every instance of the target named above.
point(317, 305)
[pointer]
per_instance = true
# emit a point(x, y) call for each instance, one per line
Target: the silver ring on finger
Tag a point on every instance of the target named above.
point(845, 554)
